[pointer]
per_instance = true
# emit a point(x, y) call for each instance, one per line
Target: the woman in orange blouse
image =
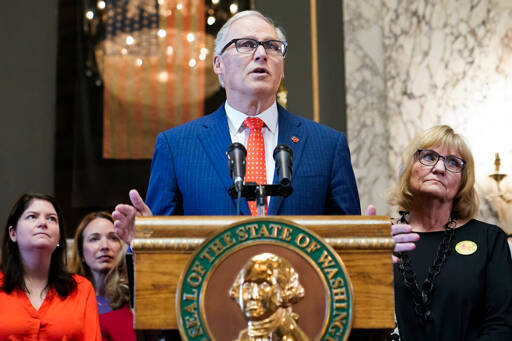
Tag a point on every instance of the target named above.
point(39, 299)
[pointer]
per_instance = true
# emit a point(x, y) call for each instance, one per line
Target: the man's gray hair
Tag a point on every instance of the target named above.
point(220, 41)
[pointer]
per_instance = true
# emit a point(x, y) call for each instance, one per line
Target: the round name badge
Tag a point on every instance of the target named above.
point(466, 247)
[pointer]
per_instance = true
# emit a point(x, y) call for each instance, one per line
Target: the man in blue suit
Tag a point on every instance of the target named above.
point(190, 175)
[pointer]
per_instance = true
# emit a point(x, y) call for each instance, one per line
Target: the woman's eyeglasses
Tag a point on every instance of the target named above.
point(430, 158)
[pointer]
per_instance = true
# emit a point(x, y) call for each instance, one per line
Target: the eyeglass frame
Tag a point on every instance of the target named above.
point(439, 156)
point(234, 41)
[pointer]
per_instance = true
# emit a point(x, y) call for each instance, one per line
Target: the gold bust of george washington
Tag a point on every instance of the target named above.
point(265, 290)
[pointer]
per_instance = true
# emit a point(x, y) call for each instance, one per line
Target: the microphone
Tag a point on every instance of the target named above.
point(236, 161)
point(283, 156)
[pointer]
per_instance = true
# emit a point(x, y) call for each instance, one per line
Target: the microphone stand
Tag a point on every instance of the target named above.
point(251, 191)
point(261, 200)
point(238, 197)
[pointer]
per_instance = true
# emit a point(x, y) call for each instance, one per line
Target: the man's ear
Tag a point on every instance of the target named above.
point(217, 68)
point(12, 233)
point(216, 65)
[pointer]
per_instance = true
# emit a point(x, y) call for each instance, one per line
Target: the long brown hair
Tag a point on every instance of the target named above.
point(116, 280)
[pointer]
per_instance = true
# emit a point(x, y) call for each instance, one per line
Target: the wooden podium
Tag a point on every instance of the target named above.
point(162, 246)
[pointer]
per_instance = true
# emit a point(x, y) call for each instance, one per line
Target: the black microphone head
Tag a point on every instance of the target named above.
point(285, 148)
point(235, 151)
point(236, 154)
point(237, 146)
point(283, 156)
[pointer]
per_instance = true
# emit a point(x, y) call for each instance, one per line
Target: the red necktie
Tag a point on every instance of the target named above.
point(255, 162)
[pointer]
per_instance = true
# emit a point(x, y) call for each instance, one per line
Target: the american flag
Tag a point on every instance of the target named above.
point(153, 62)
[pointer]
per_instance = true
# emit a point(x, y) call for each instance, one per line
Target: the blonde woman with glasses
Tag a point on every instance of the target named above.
point(457, 283)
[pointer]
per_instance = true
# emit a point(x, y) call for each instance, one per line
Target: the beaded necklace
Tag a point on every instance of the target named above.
point(422, 298)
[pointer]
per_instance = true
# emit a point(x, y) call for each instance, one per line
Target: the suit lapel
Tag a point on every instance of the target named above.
point(215, 139)
point(292, 134)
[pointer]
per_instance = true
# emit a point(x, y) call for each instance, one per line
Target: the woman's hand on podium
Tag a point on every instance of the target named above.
point(401, 233)
point(404, 238)
point(124, 216)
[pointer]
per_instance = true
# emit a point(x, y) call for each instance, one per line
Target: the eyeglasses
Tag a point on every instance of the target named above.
point(430, 158)
point(248, 45)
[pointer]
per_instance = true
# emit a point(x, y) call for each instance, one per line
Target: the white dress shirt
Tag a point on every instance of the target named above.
point(240, 133)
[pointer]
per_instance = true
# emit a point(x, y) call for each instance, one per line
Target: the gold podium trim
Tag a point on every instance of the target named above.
point(190, 244)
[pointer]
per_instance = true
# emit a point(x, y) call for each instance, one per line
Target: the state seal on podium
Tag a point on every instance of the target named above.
point(264, 279)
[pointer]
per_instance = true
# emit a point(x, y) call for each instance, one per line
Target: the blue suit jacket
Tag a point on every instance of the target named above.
point(190, 173)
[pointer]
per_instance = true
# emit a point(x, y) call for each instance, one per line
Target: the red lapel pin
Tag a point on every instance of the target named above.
point(295, 139)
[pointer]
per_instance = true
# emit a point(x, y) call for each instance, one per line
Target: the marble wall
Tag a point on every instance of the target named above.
point(414, 64)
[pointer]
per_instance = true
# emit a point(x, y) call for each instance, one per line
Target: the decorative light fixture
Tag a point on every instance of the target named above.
point(282, 94)
point(502, 199)
point(104, 22)
point(497, 176)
